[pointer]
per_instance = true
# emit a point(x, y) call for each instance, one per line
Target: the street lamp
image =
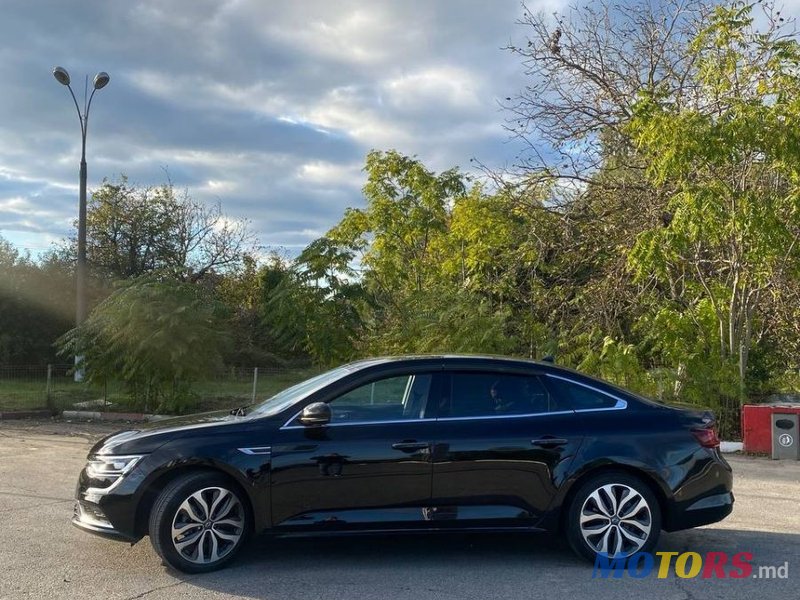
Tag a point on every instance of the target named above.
point(100, 81)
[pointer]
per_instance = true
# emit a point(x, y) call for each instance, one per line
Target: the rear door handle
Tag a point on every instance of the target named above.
point(548, 441)
point(410, 446)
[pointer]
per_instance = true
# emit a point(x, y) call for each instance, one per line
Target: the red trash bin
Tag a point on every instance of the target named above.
point(757, 424)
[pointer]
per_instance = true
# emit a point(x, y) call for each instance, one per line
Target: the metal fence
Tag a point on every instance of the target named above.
point(53, 387)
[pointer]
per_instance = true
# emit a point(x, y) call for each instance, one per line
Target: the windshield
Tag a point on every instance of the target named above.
point(289, 396)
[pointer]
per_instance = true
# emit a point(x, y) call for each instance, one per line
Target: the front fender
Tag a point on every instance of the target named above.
point(250, 471)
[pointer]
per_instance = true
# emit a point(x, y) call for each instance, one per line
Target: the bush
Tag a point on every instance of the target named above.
point(156, 337)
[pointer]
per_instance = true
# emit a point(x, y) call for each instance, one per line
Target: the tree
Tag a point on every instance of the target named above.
point(157, 336)
point(439, 264)
point(134, 231)
point(241, 294)
point(314, 306)
point(33, 310)
point(407, 207)
point(586, 69)
point(734, 220)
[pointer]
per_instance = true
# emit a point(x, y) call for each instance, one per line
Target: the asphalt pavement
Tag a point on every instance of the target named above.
point(43, 556)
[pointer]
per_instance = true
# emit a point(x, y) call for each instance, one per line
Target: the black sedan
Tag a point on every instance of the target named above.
point(424, 444)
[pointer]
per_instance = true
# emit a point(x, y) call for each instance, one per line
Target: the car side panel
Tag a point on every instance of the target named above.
point(493, 463)
point(648, 441)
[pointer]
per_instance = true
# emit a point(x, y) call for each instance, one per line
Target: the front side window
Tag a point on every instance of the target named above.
point(391, 399)
point(495, 394)
point(293, 394)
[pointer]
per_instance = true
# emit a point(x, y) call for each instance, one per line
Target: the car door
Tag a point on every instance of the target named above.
point(504, 444)
point(370, 466)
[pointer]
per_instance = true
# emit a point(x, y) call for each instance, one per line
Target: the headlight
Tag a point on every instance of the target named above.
point(105, 472)
point(102, 467)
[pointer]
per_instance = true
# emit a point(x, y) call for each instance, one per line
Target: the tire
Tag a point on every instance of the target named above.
point(201, 542)
point(594, 523)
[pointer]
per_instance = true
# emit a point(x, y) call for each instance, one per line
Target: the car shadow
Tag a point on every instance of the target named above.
point(464, 566)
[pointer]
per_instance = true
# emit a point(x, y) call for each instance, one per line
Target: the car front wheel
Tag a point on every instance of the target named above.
point(199, 522)
point(615, 514)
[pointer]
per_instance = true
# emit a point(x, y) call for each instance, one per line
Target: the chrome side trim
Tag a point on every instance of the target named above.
point(257, 450)
point(526, 415)
point(620, 405)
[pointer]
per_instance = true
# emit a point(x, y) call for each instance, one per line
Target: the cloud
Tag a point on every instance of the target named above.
point(268, 108)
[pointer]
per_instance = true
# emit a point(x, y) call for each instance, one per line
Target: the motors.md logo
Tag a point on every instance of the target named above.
point(687, 565)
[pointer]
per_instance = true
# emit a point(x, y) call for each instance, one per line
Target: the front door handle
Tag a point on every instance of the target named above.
point(549, 442)
point(410, 446)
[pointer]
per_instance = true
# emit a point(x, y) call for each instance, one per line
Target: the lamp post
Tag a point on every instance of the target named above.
point(100, 81)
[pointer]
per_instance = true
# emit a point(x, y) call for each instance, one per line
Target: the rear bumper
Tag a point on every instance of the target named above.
point(710, 509)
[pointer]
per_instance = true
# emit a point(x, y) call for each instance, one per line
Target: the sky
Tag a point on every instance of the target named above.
point(267, 107)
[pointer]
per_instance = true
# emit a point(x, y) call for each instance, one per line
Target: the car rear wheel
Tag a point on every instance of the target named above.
point(199, 522)
point(615, 514)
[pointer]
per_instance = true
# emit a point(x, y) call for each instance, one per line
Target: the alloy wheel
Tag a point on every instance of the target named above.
point(615, 520)
point(208, 525)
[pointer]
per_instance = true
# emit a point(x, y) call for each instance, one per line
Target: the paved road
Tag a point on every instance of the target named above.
point(43, 556)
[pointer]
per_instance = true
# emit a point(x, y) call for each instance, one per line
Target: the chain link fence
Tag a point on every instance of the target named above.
point(53, 388)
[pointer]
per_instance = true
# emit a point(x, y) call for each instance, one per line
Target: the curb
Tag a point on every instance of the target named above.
point(88, 415)
point(25, 414)
point(731, 447)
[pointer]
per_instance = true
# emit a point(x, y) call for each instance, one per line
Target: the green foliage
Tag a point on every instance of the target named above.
point(407, 209)
point(36, 306)
point(442, 320)
point(733, 168)
point(241, 292)
point(155, 335)
point(313, 307)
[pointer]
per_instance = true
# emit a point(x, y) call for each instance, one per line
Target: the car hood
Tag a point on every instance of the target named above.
point(147, 437)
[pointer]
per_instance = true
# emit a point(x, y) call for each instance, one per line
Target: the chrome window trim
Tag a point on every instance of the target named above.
point(620, 405)
point(389, 422)
point(473, 418)
point(407, 391)
point(287, 426)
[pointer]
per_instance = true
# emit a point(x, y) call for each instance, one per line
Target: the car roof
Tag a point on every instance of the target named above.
point(478, 359)
point(487, 360)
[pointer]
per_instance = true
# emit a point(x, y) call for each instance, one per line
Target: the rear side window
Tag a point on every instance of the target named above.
point(495, 394)
point(579, 397)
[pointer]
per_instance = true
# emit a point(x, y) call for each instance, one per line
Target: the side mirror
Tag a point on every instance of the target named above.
point(318, 413)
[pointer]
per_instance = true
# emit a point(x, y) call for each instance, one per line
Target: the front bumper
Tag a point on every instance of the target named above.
point(107, 511)
point(88, 518)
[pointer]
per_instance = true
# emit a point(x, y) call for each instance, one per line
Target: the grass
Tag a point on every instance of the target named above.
point(214, 394)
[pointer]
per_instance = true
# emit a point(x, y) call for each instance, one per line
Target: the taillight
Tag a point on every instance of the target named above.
point(707, 437)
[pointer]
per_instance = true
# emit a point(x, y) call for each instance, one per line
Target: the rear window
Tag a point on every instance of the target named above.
point(580, 397)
